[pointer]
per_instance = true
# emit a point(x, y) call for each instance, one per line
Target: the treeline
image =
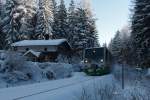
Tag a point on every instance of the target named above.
point(135, 49)
point(20, 20)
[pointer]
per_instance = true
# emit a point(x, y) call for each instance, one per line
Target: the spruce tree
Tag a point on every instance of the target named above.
point(92, 34)
point(60, 24)
point(79, 38)
point(44, 19)
point(85, 30)
point(54, 24)
point(140, 33)
point(7, 22)
point(115, 46)
point(72, 21)
point(27, 29)
point(3, 39)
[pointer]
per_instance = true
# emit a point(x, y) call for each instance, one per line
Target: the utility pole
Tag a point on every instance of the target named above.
point(124, 54)
point(123, 65)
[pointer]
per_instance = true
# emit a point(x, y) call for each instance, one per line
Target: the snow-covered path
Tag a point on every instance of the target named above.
point(54, 90)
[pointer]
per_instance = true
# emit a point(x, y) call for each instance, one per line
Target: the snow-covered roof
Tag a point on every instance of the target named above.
point(37, 54)
point(53, 42)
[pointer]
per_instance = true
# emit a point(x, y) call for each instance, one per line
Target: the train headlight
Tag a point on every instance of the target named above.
point(102, 60)
point(94, 51)
point(86, 61)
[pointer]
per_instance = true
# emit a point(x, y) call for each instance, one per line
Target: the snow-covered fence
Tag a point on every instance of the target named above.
point(98, 91)
point(111, 90)
point(132, 76)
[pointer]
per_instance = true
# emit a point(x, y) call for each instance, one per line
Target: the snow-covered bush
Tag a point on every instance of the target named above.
point(112, 91)
point(1, 64)
point(20, 75)
point(132, 75)
point(33, 71)
point(2, 55)
point(78, 67)
point(62, 59)
point(75, 59)
point(13, 61)
point(148, 73)
point(13, 68)
point(59, 70)
point(15, 76)
point(98, 92)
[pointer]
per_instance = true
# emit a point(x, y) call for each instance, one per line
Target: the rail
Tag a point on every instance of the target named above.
point(64, 86)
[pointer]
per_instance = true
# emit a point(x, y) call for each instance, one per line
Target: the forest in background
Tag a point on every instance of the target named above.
point(46, 19)
point(132, 44)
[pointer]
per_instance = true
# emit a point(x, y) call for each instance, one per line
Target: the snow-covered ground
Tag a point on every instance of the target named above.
point(63, 89)
point(78, 87)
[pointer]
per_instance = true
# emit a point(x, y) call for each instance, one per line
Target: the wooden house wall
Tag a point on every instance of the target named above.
point(36, 48)
point(50, 54)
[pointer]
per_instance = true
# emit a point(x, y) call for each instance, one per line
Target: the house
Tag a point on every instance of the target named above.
point(100, 55)
point(43, 50)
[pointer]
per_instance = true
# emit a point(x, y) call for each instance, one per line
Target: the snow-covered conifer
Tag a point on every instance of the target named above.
point(140, 32)
point(44, 19)
point(60, 24)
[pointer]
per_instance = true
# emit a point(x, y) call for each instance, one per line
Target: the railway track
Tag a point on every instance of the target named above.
point(53, 89)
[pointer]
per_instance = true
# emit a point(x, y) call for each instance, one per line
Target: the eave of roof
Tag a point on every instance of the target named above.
point(54, 42)
point(37, 54)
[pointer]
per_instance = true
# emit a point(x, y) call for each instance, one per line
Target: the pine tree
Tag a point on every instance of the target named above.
point(44, 19)
point(79, 38)
point(60, 21)
point(7, 22)
point(140, 32)
point(72, 21)
point(92, 34)
point(115, 46)
point(3, 40)
point(120, 46)
point(54, 24)
point(91, 27)
point(28, 23)
point(54, 7)
point(85, 30)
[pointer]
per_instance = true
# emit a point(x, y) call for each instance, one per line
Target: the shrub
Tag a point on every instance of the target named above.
point(56, 70)
point(97, 92)
point(13, 61)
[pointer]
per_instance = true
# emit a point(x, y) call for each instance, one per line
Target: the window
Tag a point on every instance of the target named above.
point(45, 49)
point(15, 48)
point(27, 49)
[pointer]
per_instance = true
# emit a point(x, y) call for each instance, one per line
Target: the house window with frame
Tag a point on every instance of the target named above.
point(27, 49)
point(15, 48)
point(45, 49)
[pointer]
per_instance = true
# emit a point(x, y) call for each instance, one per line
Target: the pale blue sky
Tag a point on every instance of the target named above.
point(111, 16)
